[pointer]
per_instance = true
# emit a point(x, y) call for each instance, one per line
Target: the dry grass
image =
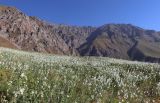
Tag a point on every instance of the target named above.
point(6, 43)
point(149, 49)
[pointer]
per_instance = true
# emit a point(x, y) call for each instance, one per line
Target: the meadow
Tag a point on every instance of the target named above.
point(27, 77)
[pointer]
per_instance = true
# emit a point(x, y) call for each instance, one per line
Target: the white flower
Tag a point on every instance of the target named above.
point(10, 83)
point(24, 76)
point(67, 96)
point(32, 92)
point(42, 95)
point(21, 90)
point(92, 96)
point(61, 92)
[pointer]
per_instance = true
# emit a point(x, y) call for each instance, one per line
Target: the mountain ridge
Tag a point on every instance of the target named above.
point(124, 41)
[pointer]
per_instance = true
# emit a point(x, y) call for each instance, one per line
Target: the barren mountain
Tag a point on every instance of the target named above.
point(124, 41)
point(32, 34)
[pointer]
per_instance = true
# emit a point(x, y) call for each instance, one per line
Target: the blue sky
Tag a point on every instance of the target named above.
point(143, 13)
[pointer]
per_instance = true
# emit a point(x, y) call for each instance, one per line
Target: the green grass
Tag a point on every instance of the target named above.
point(39, 78)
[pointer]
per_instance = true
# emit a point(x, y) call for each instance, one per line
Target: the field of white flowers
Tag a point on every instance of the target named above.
point(41, 78)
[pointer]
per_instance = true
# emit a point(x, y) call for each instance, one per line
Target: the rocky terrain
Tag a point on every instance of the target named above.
point(124, 41)
point(32, 34)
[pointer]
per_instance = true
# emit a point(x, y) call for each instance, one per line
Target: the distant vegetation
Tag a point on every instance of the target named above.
point(38, 78)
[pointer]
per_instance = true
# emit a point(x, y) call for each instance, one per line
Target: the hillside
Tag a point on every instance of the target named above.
point(124, 41)
point(6, 43)
point(33, 34)
point(43, 78)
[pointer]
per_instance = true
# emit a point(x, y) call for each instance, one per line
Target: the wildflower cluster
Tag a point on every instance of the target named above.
point(39, 78)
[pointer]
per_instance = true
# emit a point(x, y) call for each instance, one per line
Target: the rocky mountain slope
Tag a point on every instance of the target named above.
point(32, 34)
point(123, 41)
point(113, 40)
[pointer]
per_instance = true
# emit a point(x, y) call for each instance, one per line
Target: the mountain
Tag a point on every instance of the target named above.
point(124, 41)
point(32, 34)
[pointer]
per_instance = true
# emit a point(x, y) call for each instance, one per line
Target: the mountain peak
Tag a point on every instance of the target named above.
point(113, 25)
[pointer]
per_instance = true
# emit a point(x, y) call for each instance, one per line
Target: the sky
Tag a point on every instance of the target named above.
point(142, 13)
